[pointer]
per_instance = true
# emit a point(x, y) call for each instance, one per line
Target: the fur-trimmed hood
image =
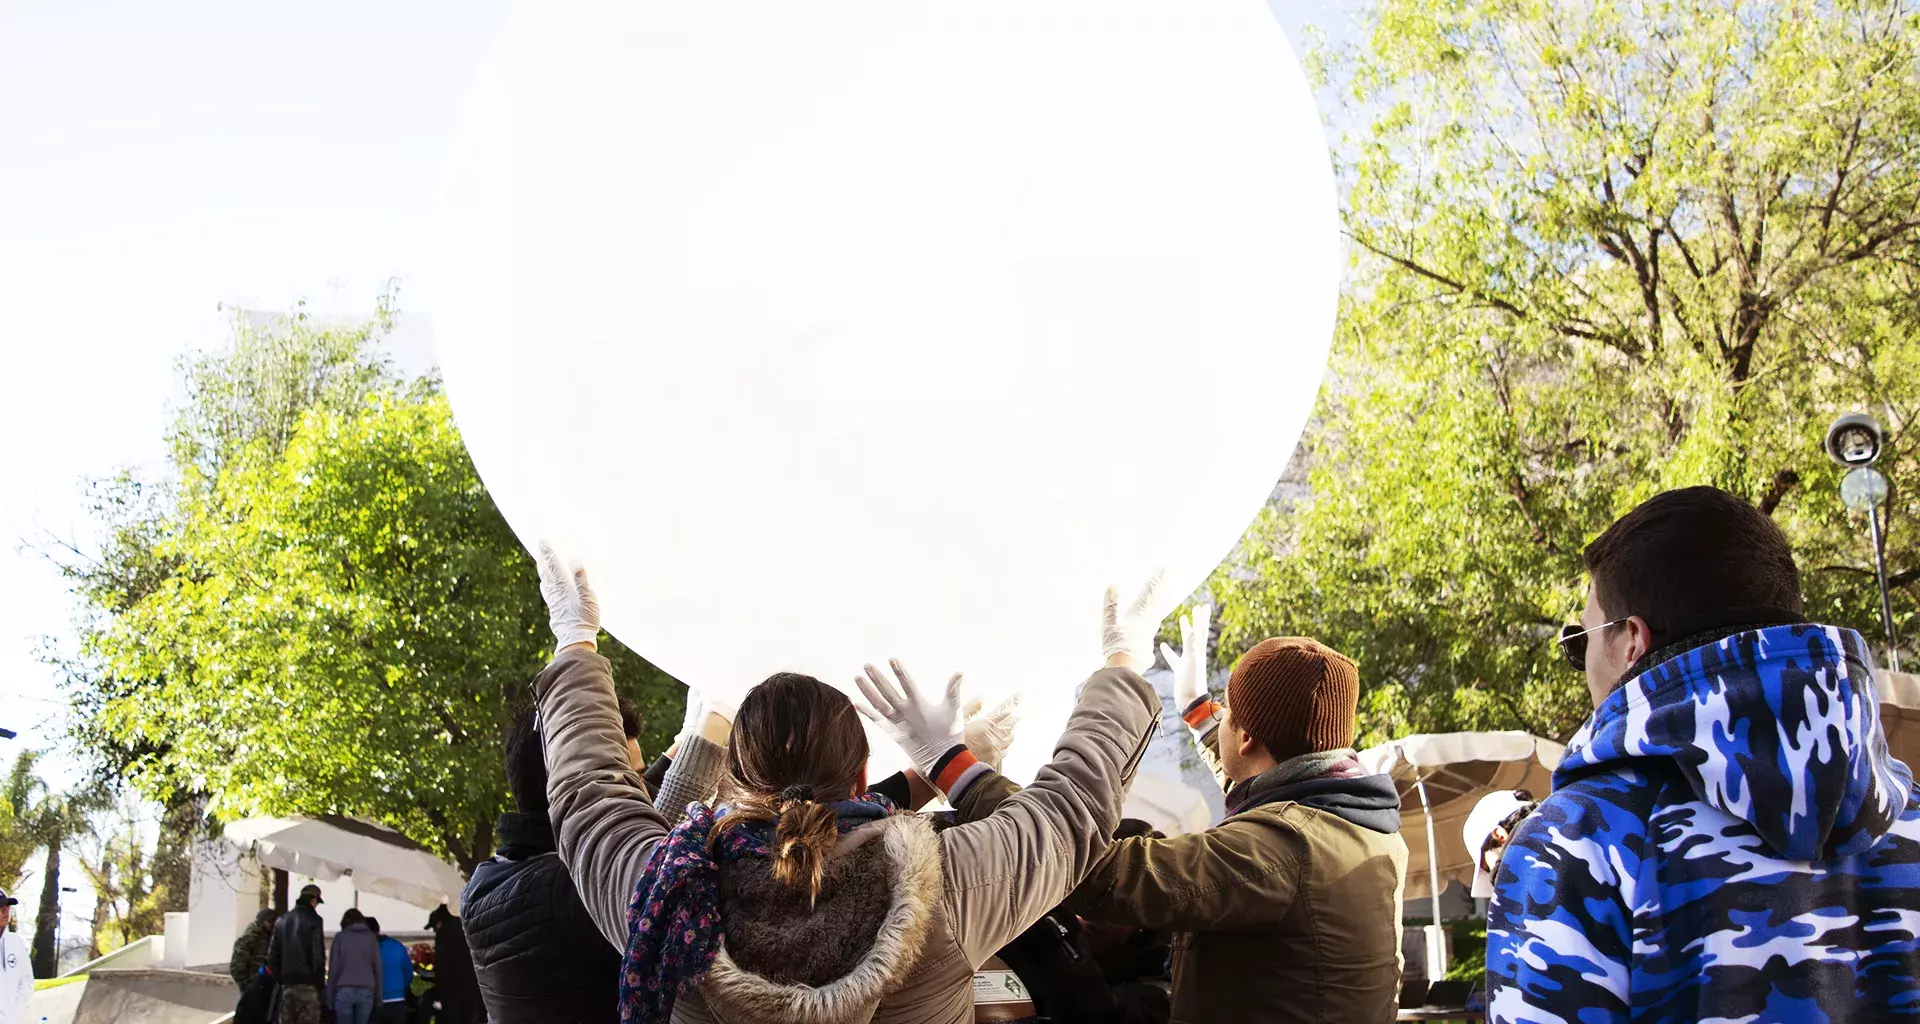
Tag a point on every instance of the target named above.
point(782, 960)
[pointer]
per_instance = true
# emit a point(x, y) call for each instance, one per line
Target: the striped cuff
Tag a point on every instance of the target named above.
point(957, 770)
point(1203, 715)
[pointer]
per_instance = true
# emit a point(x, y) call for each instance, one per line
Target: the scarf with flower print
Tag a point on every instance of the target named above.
point(673, 920)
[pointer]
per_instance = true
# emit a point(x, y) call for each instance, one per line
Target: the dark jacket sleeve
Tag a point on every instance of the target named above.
point(656, 773)
point(318, 956)
point(895, 788)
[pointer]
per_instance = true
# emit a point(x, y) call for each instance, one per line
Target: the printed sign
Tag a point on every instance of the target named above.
point(998, 987)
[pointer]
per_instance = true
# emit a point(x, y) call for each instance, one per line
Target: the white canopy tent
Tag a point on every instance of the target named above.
point(1442, 776)
point(376, 858)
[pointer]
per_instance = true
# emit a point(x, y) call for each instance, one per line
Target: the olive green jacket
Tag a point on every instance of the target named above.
point(1282, 913)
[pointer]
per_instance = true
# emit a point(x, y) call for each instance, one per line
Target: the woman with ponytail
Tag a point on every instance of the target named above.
point(801, 897)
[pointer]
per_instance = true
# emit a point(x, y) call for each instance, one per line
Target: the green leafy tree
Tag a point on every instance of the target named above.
point(331, 616)
point(22, 794)
point(1599, 249)
point(33, 817)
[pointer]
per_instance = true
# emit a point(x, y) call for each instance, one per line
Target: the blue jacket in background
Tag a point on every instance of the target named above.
point(1727, 838)
point(396, 970)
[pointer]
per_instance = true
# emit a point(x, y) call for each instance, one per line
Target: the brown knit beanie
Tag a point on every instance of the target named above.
point(1296, 695)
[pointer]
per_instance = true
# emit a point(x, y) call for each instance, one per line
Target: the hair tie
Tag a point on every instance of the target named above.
point(801, 793)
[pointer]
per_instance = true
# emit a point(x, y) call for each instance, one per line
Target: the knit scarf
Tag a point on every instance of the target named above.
point(1326, 764)
point(673, 919)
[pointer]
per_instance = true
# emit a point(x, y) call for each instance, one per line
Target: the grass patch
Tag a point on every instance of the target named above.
point(42, 984)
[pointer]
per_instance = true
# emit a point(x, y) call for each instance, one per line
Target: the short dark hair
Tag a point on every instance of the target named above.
point(630, 720)
point(1682, 557)
point(351, 916)
point(373, 925)
point(527, 763)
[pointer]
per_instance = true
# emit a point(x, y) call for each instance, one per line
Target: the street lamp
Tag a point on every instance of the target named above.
point(1856, 442)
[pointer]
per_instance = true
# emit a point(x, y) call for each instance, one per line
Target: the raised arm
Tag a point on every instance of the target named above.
point(1197, 708)
point(603, 823)
point(1005, 871)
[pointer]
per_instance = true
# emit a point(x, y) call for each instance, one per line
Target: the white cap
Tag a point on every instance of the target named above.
point(1486, 816)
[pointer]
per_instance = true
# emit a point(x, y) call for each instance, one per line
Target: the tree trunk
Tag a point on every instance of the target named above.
point(102, 909)
point(46, 956)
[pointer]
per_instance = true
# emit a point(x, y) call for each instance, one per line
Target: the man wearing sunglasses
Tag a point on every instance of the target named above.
point(1727, 836)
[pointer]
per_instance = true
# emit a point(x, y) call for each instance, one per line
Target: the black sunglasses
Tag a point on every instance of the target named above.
point(1573, 642)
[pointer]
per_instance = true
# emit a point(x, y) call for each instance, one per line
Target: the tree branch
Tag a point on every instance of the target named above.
point(1898, 579)
point(1492, 300)
point(1783, 481)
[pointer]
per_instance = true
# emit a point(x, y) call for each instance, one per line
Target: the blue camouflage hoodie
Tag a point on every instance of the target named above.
point(1727, 839)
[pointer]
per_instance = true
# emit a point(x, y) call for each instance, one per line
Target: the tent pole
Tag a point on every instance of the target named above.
point(1435, 957)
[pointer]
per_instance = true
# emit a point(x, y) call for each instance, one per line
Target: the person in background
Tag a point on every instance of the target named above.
point(453, 978)
point(250, 949)
point(1309, 838)
point(396, 977)
point(247, 964)
point(1490, 826)
point(1727, 836)
point(353, 970)
point(833, 907)
point(16, 969)
point(538, 956)
point(297, 959)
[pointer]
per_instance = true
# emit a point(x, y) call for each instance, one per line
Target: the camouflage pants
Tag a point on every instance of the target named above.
point(299, 1004)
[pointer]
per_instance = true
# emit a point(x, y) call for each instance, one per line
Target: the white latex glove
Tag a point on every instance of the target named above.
point(989, 735)
point(924, 729)
point(1128, 637)
point(1190, 665)
point(690, 719)
point(572, 610)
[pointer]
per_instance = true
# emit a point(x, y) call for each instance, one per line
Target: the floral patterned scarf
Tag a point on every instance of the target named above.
point(673, 920)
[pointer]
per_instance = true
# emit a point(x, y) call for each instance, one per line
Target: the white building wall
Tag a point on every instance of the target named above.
point(222, 899)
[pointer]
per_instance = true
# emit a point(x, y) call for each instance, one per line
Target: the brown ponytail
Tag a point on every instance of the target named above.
point(797, 746)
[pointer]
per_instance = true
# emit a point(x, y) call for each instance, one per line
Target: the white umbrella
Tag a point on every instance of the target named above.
point(1443, 775)
point(1167, 804)
point(378, 859)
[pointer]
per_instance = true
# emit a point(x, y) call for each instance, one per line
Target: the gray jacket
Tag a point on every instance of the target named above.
point(354, 962)
point(950, 899)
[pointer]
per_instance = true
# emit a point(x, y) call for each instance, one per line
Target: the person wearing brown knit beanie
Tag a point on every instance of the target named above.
point(1290, 696)
point(1291, 904)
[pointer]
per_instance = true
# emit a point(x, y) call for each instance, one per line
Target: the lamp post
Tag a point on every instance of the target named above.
point(1855, 441)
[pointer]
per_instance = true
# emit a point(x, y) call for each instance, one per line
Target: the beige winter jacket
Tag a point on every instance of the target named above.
point(918, 911)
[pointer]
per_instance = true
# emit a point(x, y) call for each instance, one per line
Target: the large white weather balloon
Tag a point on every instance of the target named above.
point(826, 331)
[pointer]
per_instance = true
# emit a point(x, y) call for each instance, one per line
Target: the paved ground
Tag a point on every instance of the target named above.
point(146, 996)
point(57, 1005)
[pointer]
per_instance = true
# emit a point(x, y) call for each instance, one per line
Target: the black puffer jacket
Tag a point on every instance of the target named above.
point(538, 954)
